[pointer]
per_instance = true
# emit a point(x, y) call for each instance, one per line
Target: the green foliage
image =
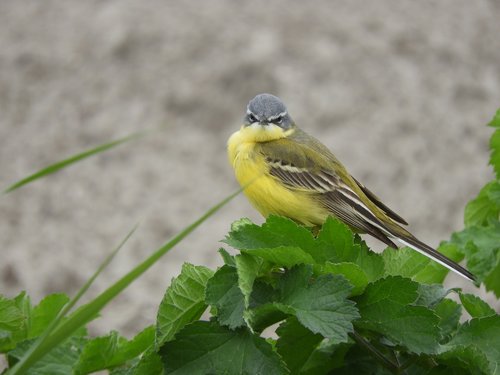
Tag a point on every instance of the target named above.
point(183, 303)
point(339, 307)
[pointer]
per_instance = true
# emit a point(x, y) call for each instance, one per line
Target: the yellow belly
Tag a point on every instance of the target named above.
point(265, 192)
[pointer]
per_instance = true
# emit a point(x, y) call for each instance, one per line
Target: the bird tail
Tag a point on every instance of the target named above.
point(437, 256)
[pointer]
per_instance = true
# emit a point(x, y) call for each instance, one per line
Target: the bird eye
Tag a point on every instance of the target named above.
point(278, 120)
point(251, 118)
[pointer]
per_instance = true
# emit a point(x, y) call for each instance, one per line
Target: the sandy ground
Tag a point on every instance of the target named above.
point(400, 90)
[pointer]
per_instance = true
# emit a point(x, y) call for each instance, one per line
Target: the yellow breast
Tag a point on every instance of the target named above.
point(264, 191)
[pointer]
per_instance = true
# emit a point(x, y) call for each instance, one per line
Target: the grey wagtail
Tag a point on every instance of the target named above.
point(289, 173)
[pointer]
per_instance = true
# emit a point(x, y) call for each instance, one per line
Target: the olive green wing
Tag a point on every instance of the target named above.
point(300, 166)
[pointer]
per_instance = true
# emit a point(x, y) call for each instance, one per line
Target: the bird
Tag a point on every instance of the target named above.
point(286, 172)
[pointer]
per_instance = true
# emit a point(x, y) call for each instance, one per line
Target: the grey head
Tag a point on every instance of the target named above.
point(268, 109)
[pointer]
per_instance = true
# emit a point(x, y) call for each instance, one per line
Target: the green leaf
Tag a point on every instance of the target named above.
point(15, 319)
point(71, 160)
point(321, 305)
point(282, 256)
point(302, 350)
point(481, 244)
point(404, 262)
point(275, 232)
point(485, 207)
point(449, 313)
point(495, 144)
point(429, 295)
point(11, 317)
point(492, 280)
point(58, 361)
point(112, 350)
point(339, 240)
point(45, 312)
point(385, 307)
point(351, 271)
point(341, 246)
point(183, 302)
point(468, 358)
point(475, 306)
point(248, 268)
point(207, 348)
point(482, 334)
point(149, 364)
point(224, 293)
point(262, 312)
point(495, 121)
point(226, 257)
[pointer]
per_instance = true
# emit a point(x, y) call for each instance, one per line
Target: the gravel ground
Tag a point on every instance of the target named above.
point(400, 90)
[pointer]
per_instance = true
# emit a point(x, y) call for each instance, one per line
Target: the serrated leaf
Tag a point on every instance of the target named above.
point(485, 207)
point(481, 244)
point(339, 239)
point(404, 262)
point(302, 350)
point(226, 257)
point(351, 271)
point(470, 359)
point(282, 256)
point(262, 312)
point(492, 280)
point(275, 232)
point(248, 268)
point(343, 246)
point(386, 307)
point(449, 313)
point(112, 350)
point(321, 305)
point(475, 306)
point(208, 348)
point(45, 312)
point(183, 302)
point(59, 361)
point(224, 293)
point(15, 319)
point(495, 144)
point(483, 334)
point(430, 295)
point(11, 317)
point(149, 364)
point(296, 344)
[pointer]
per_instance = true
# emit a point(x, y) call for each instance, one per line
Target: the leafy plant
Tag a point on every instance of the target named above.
point(290, 301)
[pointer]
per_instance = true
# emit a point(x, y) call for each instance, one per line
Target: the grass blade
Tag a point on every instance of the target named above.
point(71, 160)
point(85, 313)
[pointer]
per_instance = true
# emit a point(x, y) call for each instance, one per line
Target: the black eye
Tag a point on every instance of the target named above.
point(251, 118)
point(278, 120)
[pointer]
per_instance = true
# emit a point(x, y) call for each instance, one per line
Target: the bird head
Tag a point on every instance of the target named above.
point(267, 110)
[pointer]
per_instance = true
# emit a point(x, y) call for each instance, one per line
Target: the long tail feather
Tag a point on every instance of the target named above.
point(437, 256)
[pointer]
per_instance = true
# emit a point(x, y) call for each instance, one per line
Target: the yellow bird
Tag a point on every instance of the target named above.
point(289, 173)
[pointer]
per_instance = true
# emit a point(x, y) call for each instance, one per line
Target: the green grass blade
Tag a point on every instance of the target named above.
point(85, 313)
point(71, 160)
point(29, 358)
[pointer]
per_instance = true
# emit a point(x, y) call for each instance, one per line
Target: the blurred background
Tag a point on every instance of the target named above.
point(399, 90)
